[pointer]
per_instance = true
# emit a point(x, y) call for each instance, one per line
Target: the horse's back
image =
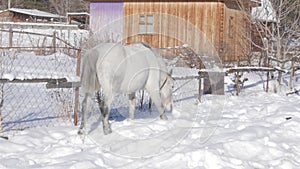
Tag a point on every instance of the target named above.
point(152, 64)
point(124, 69)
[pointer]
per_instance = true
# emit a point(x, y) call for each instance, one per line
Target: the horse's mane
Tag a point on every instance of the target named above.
point(145, 44)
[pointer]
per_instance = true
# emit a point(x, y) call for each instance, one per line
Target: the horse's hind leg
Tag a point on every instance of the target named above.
point(99, 100)
point(105, 110)
point(83, 115)
point(131, 105)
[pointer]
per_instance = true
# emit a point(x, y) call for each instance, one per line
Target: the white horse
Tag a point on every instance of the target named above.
point(125, 69)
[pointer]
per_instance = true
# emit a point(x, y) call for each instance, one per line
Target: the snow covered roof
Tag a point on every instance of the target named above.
point(35, 12)
point(78, 13)
point(264, 12)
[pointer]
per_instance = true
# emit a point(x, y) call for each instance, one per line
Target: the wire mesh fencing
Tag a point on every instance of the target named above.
point(32, 67)
point(25, 100)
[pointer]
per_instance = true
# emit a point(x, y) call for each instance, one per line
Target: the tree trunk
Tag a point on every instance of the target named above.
point(292, 73)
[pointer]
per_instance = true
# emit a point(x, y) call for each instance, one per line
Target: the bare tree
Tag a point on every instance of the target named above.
point(283, 29)
point(13, 4)
point(275, 27)
point(63, 6)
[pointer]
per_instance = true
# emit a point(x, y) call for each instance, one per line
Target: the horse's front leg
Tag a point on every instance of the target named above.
point(131, 105)
point(83, 115)
point(155, 97)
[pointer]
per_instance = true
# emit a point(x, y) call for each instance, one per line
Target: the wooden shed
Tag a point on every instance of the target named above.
point(201, 24)
point(28, 15)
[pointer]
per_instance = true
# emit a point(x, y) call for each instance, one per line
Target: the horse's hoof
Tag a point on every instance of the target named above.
point(80, 132)
point(107, 131)
point(163, 117)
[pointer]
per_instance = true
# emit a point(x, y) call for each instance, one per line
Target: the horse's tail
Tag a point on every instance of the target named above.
point(89, 79)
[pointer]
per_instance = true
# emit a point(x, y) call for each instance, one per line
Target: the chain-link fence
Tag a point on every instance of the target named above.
point(38, 70)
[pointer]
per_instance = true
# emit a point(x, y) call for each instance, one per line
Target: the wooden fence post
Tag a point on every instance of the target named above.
point(292, 74)
point(268, 76)
point(76, 108)
point(54, 42)
point(237, 86)
point(199, 87)
point(10, 38)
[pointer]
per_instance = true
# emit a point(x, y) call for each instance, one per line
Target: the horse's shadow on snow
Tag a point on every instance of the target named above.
point(121, 114)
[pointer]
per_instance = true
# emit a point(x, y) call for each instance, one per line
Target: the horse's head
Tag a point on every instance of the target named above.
point(166, 89)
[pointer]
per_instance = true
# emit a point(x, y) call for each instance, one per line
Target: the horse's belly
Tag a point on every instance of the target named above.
point(135, 82)
point(136, 74)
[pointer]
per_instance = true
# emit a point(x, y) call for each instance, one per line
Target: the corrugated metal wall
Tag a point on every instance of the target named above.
point(106, 20)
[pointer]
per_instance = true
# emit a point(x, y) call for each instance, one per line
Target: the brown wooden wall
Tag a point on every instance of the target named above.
point(8, 16)
point(5, 16)
point(236, 35)
point(202, 25)
point(176, 23)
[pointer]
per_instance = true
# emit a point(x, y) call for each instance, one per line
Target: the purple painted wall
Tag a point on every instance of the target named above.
point(106, 19)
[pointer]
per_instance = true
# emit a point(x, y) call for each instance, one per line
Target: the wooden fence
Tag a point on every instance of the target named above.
point(187, 57)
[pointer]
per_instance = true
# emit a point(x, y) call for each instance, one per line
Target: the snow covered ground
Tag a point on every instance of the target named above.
point(253, 130)
point(23, 38)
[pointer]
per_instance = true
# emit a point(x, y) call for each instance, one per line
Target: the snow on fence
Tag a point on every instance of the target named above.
point(39, 78)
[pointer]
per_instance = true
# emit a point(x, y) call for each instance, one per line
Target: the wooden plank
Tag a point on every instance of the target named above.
point(53, 85)
point(198, 42)
point(191, 27)
point(251, 69)
point(171, 29)
point(190, 77)
point(182, 24)
point(221, 31)
point(34, 80)
point(209, 23)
